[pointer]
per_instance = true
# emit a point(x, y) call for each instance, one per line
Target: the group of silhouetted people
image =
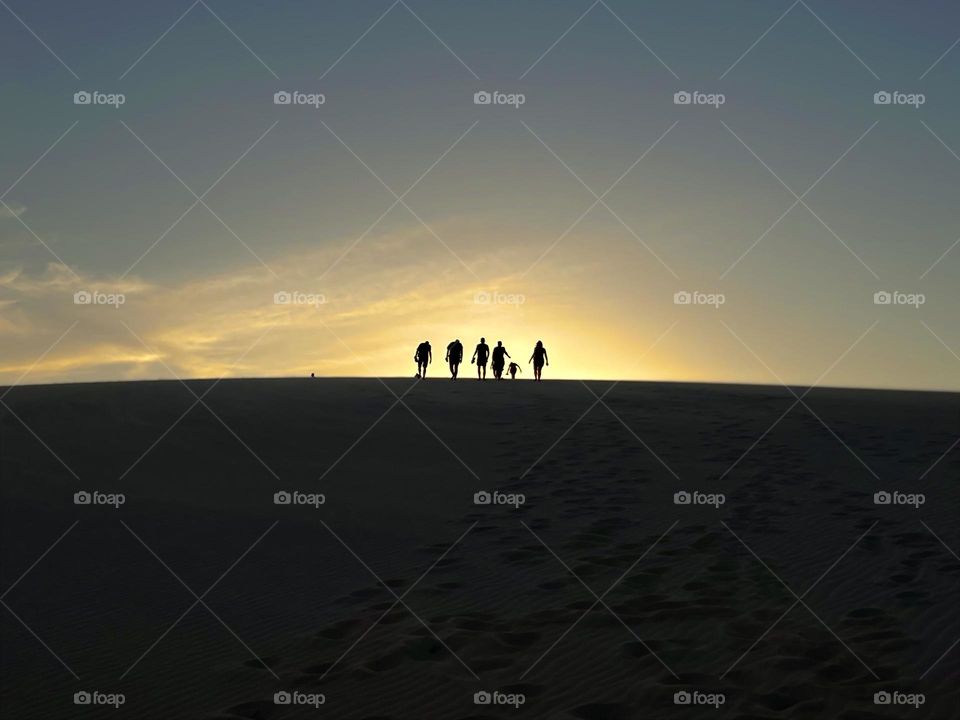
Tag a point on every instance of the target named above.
point(424, 356)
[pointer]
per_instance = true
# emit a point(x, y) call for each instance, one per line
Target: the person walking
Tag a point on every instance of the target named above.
point(497, 359)
point(539, 358)
point(480, 355)
point(454, 357)
point(423, 357)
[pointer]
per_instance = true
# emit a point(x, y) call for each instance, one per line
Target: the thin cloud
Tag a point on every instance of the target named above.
point(200, 327)
point(11, 210)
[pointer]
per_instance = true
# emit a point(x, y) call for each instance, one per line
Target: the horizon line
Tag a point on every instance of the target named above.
point(783, 386)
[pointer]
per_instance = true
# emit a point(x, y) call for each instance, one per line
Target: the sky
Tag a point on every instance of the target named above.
point(581, 209)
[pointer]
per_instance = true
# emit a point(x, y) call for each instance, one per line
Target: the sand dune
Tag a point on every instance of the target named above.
point(597, 597)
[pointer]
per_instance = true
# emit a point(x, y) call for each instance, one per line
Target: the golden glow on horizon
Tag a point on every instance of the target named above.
point(385, 301)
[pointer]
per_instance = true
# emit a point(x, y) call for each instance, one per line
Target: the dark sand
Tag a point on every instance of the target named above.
point(499, 605)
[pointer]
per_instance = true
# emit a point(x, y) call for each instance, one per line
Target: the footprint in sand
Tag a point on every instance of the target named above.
point(339, 630)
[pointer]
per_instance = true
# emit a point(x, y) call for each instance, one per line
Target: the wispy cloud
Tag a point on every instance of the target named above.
point(11, 210)
point(361, 322)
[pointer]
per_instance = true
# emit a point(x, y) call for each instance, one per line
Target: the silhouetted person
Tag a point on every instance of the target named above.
point(539, 357)
point(480, 355)
point(513, 369)
point(423, 357)
point(497, 361)
point(454, 357)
